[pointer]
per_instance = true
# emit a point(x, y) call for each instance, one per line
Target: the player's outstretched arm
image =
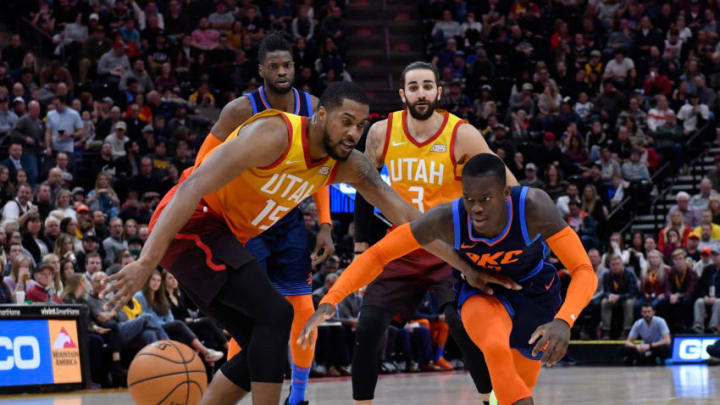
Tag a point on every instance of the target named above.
point(258, 144)
point(543, 219)
point(432, 230)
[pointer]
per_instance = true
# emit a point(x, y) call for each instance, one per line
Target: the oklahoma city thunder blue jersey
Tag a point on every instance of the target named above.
point(513, 252)
point(518, 255)
point(303, 103)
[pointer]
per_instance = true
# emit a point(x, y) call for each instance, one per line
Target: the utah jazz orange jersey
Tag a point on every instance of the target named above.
point(259, 197)
point(423, 174)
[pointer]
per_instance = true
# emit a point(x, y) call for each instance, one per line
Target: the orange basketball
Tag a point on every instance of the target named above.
point(167, 372)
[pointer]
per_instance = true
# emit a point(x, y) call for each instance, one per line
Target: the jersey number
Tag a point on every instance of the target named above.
point(272, 212)
point(418, 201)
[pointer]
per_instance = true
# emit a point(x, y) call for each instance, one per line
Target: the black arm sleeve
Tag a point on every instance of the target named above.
point(363, 220)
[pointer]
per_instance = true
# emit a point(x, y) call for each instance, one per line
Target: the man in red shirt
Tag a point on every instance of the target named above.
point(43, 275)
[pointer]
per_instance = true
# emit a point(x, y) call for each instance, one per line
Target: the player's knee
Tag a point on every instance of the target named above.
point(281, 314)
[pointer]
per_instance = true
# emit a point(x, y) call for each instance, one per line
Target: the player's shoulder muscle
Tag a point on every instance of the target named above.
point(541, 214)
point(232, 115)
point(469, 142)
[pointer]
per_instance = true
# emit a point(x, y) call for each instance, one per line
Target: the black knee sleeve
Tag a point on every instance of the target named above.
point(371, 326)
point(267, 349)
point(472, 356)
point(237, 371)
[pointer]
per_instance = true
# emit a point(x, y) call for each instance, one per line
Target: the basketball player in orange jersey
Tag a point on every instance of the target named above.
point(507, 230)
point(283, 249)
point(424, 150)
point(264, 168)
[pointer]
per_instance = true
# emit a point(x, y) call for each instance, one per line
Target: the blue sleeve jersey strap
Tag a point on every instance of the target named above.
point(308, 101)
point(456, 223)
point(523, 223)
point(251, 96)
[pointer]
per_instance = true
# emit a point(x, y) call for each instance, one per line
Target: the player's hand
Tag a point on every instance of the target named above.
point(309, 332)
point(481, 278)
point(324, 244)
point(125, 283)
point(553, 343)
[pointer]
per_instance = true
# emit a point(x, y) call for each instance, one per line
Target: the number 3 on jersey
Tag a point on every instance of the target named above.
point(418, 201)
point(275, 212)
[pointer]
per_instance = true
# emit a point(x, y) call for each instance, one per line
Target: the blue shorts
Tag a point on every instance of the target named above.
point(283, 252)
point(534, 305)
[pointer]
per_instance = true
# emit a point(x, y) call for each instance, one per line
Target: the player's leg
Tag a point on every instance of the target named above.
point(290, 270)
point(372, 324)
point(261, 325)
point(528, 369)
point(302, 358)
point(472, 356)
point(489, 326)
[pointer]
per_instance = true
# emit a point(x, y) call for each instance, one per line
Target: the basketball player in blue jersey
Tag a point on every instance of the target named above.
point(508, 230)
point(283, 249)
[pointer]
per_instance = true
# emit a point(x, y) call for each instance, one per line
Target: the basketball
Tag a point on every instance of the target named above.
point(167, 372)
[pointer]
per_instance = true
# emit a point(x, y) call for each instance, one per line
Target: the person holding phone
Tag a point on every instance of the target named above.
point(63, 126)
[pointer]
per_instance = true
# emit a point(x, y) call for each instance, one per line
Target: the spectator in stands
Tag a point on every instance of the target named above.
point(572, 193)
point(655, 336)
point(653, 280)
point(656, 83)
point(33, 241)
point(52, 226)
point(153, 300)
point(42, 291)
point(20, 268)
point(222, 18)
point(700, 201)
point(8, 118)
point(114, 63)
point(693, 115)
point(707, 288)
point(445, 28)
point(138, 72)
point(706, 241)
point(205, 38)
point(14, 159)
point(94, 48)
point(103, 197)
point(64, 126)
point(583, 224)
point(531, 179)
point(691, 216)
point(302, 25)
point(680, 285)
point(609, 167)
point(635, 170)
point(19, 206)
point(333, 26)
point(30, 128)
point(117, 140)
point(137, 332)
point(619, 290)
point(676, 223)
point(706, 259)
point(658, 115)
point(617, 68)
point(706, 218)
point(114, 245)
point(330, 266)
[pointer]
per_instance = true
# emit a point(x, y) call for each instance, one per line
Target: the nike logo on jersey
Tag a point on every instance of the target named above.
point(547, 286)
point(464, 246)
point(398, 143)
point(494, 261)
point(289, 162)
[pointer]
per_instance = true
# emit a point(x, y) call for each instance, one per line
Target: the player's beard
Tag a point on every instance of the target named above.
point(332, 149)
point(432, 106)
point(278, 90)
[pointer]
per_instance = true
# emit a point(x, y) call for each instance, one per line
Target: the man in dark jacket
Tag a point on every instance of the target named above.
point(707, 288)
point(620, 289)
point(680, 285)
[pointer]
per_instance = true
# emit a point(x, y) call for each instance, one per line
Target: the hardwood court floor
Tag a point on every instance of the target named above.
point(676, 385)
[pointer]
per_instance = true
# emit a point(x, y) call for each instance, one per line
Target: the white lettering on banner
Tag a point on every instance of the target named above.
point(694, 349)
point(416, 172)
point(16, 346)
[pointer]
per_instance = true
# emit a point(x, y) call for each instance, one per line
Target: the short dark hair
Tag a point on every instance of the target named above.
point(274, 41)
point(647, 304)
point(419, 65)
point(485, 164)
point(91, 255)
point(336, 92)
